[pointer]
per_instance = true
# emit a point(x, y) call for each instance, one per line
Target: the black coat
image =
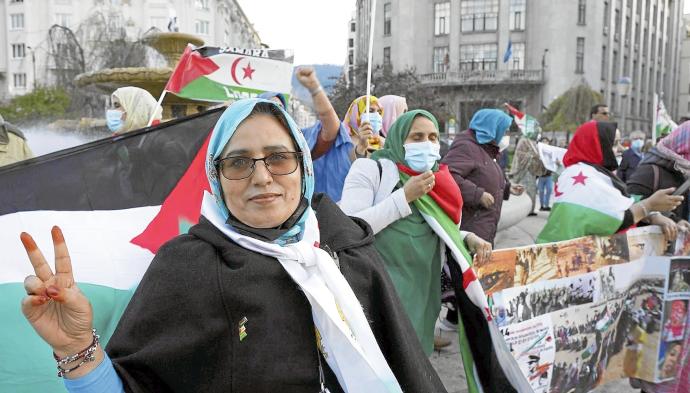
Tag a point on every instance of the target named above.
point(180, 331)
point(642, 181)
point(629, 163)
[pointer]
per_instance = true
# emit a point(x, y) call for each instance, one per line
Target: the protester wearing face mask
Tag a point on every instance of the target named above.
point(393, 192)
point(631, 158)
point(472, 161)
point(131, 109)
point(365, 128)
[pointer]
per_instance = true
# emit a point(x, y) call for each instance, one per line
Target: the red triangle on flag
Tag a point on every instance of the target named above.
point(513, 111)
point(181, 208)
point(190, 67)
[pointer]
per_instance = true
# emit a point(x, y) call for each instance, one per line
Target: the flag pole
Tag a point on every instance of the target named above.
point(159, 103)
point(372, 21)
point(654, 119)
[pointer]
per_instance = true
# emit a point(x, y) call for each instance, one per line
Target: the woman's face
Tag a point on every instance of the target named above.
point(422, 130)
point(671, 361)
point(262, 200)
point(617, 148)
point(118, 107)
point(374, 107)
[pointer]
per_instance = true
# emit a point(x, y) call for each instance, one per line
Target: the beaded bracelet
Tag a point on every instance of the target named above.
point(88, 355)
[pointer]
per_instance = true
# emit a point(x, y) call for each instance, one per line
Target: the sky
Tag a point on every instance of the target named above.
point(315, 29)
point(687, 7)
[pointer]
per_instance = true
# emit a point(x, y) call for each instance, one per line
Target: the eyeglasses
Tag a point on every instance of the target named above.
point(279, 164)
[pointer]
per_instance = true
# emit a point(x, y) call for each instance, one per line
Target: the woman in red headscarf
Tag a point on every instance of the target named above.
point(591, 199)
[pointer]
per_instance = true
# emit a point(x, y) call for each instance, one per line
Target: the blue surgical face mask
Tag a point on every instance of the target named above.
point(375, 119)
point(421, 156)
point(113, 119)
point(637, 144)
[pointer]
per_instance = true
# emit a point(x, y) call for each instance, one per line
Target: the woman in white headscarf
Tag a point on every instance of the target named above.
point(132, 108)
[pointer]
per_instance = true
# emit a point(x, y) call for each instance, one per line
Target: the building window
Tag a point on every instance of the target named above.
point(63, 19)
point(201, 27)
point(16, 21)
point(18, 51)
point(387, 19)
point(478, 57)
point(201, 4)
point(387, 56)
point(351, 59)
point(604, 63)
point(606, 17)
point(442, 18)
point(479, 15)
point(617, 25)
point(582, 12)
point(16, 1)
point(19, 80)
point(518, 56)
point(441, 59)
point(353, 27)
point(517, 14)
point(580, 56)
point(350, 42)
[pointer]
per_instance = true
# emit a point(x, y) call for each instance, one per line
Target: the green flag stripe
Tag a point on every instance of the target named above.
point(569, 221)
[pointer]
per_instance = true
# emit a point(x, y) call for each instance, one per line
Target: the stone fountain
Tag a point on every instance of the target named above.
point(169, 44)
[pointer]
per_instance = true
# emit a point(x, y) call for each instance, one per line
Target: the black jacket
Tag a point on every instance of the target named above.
point(642, 181)
point(628, 165)
point(180, 331)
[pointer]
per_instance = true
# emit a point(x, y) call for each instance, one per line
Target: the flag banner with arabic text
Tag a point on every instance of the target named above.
point(222, 74)
point(580, 313)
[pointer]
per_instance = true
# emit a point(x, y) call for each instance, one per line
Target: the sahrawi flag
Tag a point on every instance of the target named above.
point(117, 201)
point(664, 123)
point(528, 125)
point(221, 74)
point(586, 203)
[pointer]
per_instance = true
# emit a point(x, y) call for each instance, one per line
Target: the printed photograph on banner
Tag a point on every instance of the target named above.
point(532, 345)
point(679, 277)
point(535, 263)
point(577, 257)
point(499, 273)
point(682, 244)
point(669, 360)
point(675, 320)
point(543, 297)
point(612, 250)
point(646, 241)
point(585, 338)
point(606, 286)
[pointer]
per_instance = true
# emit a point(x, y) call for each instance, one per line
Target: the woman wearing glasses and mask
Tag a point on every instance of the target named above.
point(274, 290)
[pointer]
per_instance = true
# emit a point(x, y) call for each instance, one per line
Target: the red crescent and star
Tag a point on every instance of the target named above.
point(248, 70)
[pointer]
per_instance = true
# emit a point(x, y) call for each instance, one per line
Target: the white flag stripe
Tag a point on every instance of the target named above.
point(268, 74)
point(98, 242)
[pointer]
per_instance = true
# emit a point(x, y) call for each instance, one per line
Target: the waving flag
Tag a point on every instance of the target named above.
point(528, 125)
point(221, 74)
point(117, 201)
point(664, 123)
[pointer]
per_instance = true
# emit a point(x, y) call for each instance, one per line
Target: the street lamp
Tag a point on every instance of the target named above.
point(623, 86)
point(543, 75)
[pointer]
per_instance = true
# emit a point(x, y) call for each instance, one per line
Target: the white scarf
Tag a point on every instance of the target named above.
point(348, 344)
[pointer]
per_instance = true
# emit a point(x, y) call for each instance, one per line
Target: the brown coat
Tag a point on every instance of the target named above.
point(476, 172)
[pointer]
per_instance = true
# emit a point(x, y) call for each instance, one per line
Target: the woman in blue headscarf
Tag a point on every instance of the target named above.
point(274, 290)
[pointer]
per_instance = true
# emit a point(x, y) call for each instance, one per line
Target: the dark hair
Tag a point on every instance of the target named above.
point(595, 109)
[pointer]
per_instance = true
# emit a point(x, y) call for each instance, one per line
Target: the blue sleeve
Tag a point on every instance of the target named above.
point(311, 134)
point(102, 379)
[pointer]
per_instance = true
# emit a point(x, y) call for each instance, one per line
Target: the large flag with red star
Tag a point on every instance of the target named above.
point(222, 74)
point(117, 201)
point(586, 203)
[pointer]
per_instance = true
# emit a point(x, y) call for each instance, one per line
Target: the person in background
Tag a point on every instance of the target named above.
point(472, 162)
point(632, 156)
point(390, 192)
point(666, 166)
point(131, 109)
point(592, 200)
point(545, 184)
point(13, 146)
point(328, 139)
point(365, 129)
point(527, 165)
point(393, 107)
point(600, 112)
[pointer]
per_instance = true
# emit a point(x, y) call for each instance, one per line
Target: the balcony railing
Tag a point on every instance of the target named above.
point(483, 77)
